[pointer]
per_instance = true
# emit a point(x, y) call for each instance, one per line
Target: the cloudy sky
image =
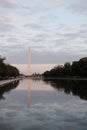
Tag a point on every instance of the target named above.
point(55, 30)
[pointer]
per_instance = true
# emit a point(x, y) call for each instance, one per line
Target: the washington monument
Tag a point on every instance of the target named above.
point(29, 73)
point(29, 62)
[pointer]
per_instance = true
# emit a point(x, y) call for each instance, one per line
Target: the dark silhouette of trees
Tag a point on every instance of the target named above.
point(76, 69)
point(7, 70)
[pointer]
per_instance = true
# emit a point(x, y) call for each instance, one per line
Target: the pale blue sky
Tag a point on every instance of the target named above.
point(55, 30)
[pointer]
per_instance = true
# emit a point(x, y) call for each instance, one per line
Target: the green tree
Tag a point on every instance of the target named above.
point(7, 70)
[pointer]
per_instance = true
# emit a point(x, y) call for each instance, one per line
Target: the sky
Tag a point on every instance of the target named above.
point(55, 30)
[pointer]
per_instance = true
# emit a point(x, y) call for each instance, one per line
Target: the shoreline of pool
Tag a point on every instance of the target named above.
point(5, 82)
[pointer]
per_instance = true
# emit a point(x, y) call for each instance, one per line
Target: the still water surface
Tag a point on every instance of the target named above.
point(43, 105)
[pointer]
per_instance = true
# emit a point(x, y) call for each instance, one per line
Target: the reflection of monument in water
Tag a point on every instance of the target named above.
point(29, 93)
point(29, 73)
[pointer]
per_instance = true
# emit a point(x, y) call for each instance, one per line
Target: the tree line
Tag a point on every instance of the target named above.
point(75, 69)
point(7, 70)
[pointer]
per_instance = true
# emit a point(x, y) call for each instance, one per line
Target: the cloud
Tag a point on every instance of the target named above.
point(79, 6)
point(74, 33)
point(8, 24)
point(20, 53)
point(8, 3)
point(13, 40)
point(7, 28)
point(70, 35)
point(50, 33)
point(45, 2)
point(33, 26)
point(42, 57)
point(8, 18)
point(39, 6)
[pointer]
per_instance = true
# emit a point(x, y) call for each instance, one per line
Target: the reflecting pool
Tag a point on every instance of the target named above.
point(43, 105)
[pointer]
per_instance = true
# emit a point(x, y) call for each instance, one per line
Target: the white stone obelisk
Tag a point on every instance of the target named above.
point(29, 73)
point(29, 62)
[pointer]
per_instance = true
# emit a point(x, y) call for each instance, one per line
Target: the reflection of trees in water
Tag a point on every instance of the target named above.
point(78, 88)
point(7, 88)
